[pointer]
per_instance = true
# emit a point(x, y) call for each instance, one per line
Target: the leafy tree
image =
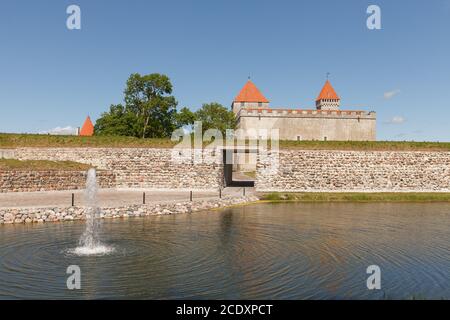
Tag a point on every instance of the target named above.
point(184, 117)
point(148, 97)
point(118, 121)
point(150, 111)
point(215, 116)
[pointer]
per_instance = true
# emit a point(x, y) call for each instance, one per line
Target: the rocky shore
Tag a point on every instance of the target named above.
point(41, 215)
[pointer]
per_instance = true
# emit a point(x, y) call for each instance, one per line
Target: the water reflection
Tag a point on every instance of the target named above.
point(264, 251)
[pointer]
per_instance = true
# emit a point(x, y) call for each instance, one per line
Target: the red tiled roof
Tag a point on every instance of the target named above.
point(88, 128)
point(327, 92)
point(250, 93)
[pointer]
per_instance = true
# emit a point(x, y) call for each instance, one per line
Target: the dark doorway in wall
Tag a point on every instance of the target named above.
point(234, 176)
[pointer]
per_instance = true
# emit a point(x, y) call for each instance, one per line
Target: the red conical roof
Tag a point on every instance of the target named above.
point(88, 128)
point(328, 92)
point(250, 93)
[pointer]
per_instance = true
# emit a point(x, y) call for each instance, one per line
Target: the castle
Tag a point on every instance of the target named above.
point(326, 122)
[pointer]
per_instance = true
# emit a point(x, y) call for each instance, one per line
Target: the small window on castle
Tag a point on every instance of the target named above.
point(242, 104)
point(325, 138)
point(259, 104)
point(299, 138)
point(259, 117)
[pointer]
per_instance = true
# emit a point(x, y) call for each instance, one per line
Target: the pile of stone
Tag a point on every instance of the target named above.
point(39, 215)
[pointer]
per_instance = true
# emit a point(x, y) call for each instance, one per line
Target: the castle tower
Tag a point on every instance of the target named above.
point(249, 97)
point(328, 98)
point(88, 128)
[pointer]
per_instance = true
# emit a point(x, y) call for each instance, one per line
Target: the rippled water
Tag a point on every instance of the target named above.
point(274, 251)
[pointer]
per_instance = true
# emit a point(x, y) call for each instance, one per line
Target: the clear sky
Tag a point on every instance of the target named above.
point(54, 77)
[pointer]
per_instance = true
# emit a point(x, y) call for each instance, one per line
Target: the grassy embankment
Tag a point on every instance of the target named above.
point(41, 165)
point(35, 140)
point(8, 140)
point(358, 197)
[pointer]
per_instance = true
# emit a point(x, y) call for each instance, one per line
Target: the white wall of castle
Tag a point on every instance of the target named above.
point(314, 127)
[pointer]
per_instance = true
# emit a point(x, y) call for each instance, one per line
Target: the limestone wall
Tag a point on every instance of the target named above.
point(298, 170)
point(136, 167)
point(339, 171)
point(32, 180)
point(312, 124)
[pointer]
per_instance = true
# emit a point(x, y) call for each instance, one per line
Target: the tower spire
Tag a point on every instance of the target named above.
point(328, 98)
point(249, 97)
point(88, 127)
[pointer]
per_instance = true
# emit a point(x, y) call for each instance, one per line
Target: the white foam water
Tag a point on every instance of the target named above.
point(89, 243)
point(99, 250)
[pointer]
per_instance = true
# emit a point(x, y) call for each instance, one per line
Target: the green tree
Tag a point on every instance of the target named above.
point(148, 97)
point(150, 111)
point(118, 121)
point(184, 118)
point(215, 116)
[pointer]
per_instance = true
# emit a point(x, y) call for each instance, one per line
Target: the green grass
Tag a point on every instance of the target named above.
point(367, 145)
point(250, 174)
point(358, 197)
point(9, 140)
point(41, 165)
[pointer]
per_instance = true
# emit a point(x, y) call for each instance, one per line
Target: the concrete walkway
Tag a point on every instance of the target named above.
point(241, 176)
point(109, 197)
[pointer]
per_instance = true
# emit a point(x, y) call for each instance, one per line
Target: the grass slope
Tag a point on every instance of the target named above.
point(8, 140)
point(41, 165)
point(358, 197)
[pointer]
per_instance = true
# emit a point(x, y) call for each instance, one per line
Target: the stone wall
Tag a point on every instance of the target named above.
point(32, 180)
point(299, 170)
point(337, 125)
point(40, 215)
point(340, 171)
point(136, 167)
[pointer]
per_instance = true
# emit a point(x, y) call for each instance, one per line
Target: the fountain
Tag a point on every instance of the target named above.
point(89, 243)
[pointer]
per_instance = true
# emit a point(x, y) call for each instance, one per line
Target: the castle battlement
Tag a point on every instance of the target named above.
point(306, 113)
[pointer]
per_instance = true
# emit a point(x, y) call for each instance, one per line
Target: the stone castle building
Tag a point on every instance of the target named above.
point(326, 122)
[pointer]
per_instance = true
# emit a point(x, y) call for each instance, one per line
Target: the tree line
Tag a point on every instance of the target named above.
point(150, 111)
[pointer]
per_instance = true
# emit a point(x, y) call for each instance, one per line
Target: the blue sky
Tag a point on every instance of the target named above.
point(53, 77)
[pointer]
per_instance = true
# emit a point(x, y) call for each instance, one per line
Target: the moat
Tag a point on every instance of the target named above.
point(261, 251)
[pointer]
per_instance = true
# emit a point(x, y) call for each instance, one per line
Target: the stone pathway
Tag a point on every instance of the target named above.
point(242, 176)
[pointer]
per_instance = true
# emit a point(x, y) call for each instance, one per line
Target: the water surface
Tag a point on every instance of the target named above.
point(263, 251)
